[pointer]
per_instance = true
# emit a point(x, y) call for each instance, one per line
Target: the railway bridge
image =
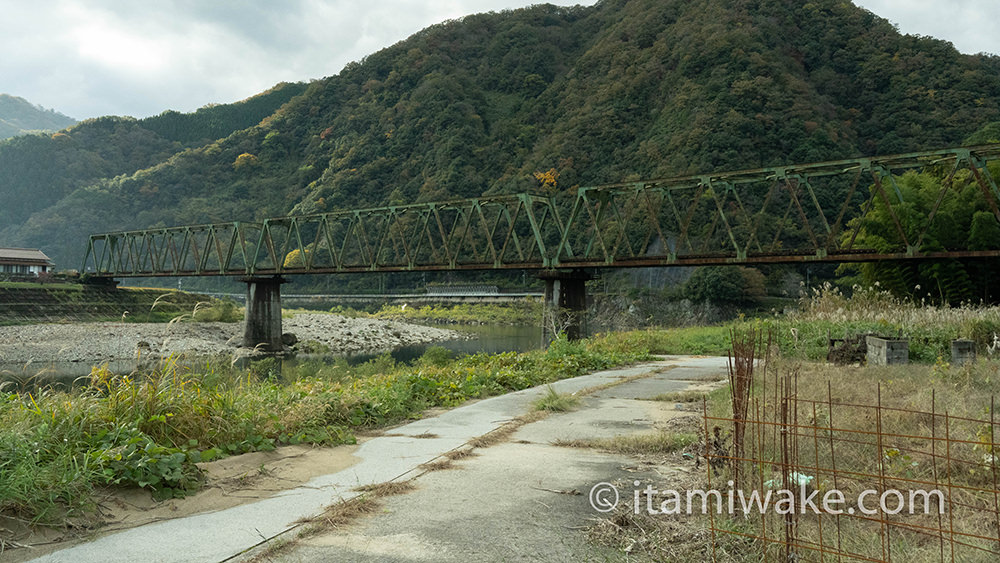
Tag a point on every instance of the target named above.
point(815, 212)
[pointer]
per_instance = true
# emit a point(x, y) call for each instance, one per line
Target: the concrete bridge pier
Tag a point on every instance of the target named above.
point(565, 305)
point(262, 328)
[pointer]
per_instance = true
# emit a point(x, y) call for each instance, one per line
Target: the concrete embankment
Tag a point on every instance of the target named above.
point(68, 302)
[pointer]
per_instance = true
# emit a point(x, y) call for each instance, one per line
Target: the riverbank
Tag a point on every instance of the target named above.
point(61, 447)
point(98, 342)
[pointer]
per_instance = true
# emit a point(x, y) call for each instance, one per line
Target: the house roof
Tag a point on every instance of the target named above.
point(24, 255)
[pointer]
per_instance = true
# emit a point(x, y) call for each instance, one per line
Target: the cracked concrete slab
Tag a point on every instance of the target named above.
point(497, 506)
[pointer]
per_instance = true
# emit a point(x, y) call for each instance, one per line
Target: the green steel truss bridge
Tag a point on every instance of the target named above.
point(784, 214)
point(818, 212)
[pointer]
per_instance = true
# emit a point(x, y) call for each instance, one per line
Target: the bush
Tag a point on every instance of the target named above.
point(220, 311)
point(725, 285)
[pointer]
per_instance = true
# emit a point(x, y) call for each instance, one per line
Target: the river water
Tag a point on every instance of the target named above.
point(490, 339)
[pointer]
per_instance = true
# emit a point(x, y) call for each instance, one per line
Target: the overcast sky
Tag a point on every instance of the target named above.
point(127, 57)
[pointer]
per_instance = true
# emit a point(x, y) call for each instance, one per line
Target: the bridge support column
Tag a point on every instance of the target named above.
point(262, 329)
point(565, 305)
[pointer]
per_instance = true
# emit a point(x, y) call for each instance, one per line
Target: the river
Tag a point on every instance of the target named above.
point(490, 339)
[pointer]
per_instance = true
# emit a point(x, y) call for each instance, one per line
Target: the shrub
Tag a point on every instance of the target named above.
point(725, 285)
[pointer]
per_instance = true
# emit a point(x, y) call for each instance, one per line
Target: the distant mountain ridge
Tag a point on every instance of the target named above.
point(19, 116)
point(490, 103)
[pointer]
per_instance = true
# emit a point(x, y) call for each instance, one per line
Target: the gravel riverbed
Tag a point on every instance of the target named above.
point(110, 341)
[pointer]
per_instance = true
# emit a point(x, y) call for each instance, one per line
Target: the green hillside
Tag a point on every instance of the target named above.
point(19, 116)
point(37, 172)
point(621, 90)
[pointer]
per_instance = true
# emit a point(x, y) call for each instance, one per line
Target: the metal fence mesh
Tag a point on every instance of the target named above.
point(777, 440)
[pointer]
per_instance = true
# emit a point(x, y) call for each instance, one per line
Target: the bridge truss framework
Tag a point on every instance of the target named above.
point(723, 218)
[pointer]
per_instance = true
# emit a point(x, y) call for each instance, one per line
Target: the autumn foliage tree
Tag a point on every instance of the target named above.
point(547, 180)
point(246, 160)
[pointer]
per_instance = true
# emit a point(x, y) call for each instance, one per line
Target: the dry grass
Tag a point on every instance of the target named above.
point(335, 516)
point(644, 537)
point(387, 489)
point(504, 433)
point(439, 464)
point(680, 397)
point(341, 514)
point(961, 391)
point(878, 305)
point(461, 453)
point(900, 458)
point(657, 538)
point(422, 436)
point(274, 548)
point(636, 444)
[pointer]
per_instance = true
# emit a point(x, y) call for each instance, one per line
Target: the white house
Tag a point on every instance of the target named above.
point(24, 261)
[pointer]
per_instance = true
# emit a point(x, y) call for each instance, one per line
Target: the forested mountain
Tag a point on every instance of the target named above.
point(19, 116)
point(586, 95)
point(38, 171)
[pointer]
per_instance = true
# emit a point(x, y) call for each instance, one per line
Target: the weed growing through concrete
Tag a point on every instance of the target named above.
point(556, 402)
point(636, 444)
point(680, 397)
point(335, 516)
point(439, 464)
point(388, 488)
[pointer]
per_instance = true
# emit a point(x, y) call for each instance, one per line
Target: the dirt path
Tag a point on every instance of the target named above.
point(111, 341)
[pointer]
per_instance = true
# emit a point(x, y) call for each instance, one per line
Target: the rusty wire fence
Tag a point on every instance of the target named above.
point(916, 483)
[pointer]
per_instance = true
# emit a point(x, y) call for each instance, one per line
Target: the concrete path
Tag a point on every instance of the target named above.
point(447, 518)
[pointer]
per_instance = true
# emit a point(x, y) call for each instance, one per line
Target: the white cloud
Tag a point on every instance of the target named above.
point(969, 24)
point(90, 58)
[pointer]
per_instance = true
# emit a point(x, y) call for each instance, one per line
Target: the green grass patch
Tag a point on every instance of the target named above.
point(556, 402)
point(47, 286)
point(699, 340)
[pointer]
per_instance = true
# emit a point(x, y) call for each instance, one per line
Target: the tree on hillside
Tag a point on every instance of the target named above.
point(725, 285)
